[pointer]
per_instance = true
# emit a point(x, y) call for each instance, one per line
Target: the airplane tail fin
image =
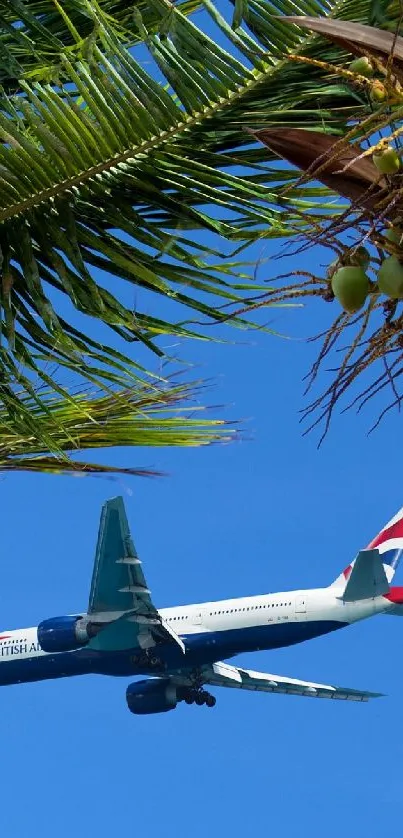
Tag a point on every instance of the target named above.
point(374, 567)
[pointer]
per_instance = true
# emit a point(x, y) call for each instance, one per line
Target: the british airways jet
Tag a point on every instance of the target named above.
point(180, 649)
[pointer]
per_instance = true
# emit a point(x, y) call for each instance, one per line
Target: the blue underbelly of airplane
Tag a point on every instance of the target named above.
point(201, 648)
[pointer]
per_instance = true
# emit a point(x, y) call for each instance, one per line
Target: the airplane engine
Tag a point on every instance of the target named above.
point(152, 696)
point(64, 634)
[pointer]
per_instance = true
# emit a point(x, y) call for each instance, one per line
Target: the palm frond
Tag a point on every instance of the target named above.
point(146, 415)
point(107, 168)
point(35, 32)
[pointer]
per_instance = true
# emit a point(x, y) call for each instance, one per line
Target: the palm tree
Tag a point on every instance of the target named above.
point(115, 163)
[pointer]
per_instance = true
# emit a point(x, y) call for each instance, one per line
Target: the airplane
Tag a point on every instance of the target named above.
point(184, 649)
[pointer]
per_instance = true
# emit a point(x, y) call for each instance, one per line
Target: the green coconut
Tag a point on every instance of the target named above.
point(387, 161)
point(390, 278)
point(378, 91)
point(350, 286)
point(363, 66)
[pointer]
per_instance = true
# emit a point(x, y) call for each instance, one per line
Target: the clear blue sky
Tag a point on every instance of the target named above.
point(266, 513)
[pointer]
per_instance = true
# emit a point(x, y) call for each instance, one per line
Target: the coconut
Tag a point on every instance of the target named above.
point(387, 161)
point(363, 66)
point(350, 286)
point(390, 278)
point(378, 91)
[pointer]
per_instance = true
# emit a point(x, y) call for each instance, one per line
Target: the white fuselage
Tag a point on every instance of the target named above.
point(234, 625)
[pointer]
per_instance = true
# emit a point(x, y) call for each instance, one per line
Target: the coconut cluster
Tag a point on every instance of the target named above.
point(364, 67)
point(349, 280)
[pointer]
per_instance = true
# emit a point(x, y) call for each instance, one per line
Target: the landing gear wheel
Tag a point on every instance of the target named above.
point(211, 700)
point(199, 699)
point(189, 699)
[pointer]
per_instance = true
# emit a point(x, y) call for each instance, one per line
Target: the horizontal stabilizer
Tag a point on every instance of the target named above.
point(367, 578)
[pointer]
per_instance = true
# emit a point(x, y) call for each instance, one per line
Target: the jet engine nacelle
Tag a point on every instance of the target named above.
point(64, 634)
point(152, 696)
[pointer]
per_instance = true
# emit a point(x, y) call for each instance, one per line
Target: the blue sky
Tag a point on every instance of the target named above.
point(268, 512)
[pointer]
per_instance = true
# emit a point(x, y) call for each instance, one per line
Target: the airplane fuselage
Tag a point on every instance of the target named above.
point(211, 631)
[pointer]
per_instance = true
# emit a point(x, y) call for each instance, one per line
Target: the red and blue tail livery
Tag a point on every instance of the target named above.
point(178, 652)
point(389, 542)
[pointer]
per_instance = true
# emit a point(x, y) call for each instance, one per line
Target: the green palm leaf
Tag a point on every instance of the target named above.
point(108, 168)
point(144, 416)
point(35, 33)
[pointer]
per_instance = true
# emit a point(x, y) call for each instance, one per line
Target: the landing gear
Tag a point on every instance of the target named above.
point(147, 661)
point(198, 697)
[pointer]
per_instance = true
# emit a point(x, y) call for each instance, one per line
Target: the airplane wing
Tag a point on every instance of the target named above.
point(223, 675)
point(119, 595)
